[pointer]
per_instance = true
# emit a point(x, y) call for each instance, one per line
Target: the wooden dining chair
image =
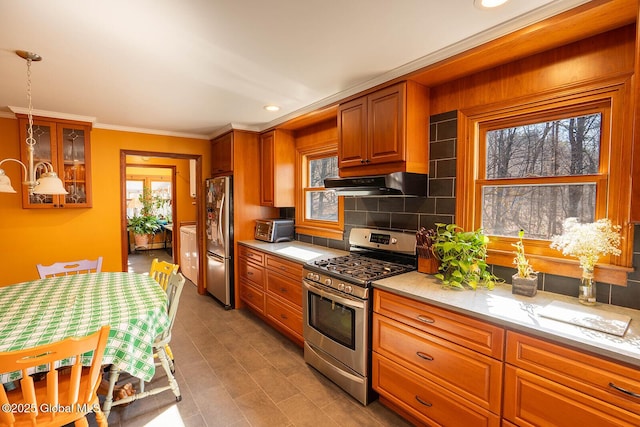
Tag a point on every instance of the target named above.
point(70, 267)
point(174, 289)
point(64, 395)
point(160, 271)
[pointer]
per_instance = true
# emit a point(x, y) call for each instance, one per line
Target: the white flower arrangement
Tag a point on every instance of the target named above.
point(588, 242)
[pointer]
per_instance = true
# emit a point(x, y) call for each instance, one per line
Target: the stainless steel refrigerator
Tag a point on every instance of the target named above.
point(219, 238)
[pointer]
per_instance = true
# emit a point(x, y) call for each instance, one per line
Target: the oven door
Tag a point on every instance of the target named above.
point(336, 324)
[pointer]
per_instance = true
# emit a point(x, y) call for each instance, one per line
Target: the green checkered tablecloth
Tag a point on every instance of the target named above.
point(48, 310)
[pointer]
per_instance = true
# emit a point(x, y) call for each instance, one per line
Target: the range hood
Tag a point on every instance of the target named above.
point(393, 184)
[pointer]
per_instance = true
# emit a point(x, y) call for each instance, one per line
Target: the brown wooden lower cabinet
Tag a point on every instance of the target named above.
point(271, 287)
point(549, 384)
point(425, 400)
point(473, 377)
point(436, 367)
point(252, 296)
point(286, 318)
point(530, 400)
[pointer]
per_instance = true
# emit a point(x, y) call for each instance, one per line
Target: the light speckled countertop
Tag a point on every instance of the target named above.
point(294, 250)
point(520, 313)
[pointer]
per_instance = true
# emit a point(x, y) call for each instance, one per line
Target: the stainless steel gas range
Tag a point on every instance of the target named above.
point(337, 310)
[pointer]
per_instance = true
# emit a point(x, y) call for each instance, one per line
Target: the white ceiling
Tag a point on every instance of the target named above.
point(192, 67)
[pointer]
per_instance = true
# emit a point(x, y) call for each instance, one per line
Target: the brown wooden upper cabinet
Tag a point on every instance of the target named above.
point(277, 160)
point(385, 131)
point(66, 145)
point(222, 154)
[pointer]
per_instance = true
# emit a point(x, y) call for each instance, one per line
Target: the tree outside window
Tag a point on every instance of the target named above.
point(535, 154)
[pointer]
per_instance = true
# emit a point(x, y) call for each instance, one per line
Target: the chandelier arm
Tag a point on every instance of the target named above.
point(24, 168)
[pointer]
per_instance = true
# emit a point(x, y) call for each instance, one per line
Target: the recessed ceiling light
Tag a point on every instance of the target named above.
point(271, 108)
point(488, 4)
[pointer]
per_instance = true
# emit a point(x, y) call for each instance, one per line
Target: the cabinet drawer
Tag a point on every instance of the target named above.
point(252, 255)
point(285, 288)
point(251, 272)
point(283, 266)
point(588, 374)
point(285, 316)
point(477, 335)
point(530, 400)
point(472, 376)
point(426, 400)
point(253, 297)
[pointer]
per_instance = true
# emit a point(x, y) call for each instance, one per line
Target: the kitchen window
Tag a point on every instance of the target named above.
point(319, 212)
point(532, 165)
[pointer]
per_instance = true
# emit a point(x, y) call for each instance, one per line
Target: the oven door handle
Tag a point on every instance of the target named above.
point(333, 295)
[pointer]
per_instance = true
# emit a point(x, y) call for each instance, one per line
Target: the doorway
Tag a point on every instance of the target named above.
point(140, 169)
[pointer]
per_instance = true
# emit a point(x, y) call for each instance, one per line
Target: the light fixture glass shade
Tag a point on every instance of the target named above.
point(49, 183)
point(5, 183)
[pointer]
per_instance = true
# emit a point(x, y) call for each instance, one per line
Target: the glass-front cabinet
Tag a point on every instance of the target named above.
point(66, 145)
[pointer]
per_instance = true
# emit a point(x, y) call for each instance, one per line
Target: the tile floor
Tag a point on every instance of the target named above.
point(233, 370)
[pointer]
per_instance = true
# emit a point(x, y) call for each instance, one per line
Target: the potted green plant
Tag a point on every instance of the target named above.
point(462, 257)
point(145, 224)
point(525, 280)
point(144, 227)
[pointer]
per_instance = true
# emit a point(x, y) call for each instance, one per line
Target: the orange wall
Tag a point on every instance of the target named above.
point(32, 236)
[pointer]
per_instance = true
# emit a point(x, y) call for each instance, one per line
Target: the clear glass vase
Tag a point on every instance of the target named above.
point(587, 292)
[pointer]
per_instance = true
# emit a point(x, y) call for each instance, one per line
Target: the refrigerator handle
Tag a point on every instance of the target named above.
point(221, 237)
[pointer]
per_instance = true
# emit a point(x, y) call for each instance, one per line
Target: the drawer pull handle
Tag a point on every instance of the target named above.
point(283, 268)
point(283, 290)
point(425, 319)
point(283, 316)
point(249, 273)
point(422, 402)
point(424, 356)
point(630, 393)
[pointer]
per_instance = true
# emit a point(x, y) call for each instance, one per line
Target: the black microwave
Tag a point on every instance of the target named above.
point(274, 230)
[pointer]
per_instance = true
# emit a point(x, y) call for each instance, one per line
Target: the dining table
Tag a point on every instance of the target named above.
point(47, 310)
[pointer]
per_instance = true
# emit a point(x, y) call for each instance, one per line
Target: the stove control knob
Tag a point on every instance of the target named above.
point(328, 281)
point(394, 240)
point(316, 277)
point(341, 286)
point(348, 289)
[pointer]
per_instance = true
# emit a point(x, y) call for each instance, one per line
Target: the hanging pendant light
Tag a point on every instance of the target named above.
point(48, 181)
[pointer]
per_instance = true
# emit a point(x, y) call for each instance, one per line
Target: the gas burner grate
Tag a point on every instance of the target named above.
point(360, 268)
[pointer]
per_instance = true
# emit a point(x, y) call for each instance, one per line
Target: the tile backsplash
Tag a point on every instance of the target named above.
point(410, 213)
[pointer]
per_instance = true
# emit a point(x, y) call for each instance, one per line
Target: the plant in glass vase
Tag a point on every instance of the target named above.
point(587, 242)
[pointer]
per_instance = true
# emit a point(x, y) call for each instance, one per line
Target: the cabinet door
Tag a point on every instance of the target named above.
point(66, 146)
point(386, 125)
point(267, 146)
point(74, 164)
point(352, 133)
point(530, 400)
point(44, 150)
point(222, 154)
point(277, 161)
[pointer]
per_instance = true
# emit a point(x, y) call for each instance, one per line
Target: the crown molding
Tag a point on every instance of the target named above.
point(149, 131)
point(53, 114)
